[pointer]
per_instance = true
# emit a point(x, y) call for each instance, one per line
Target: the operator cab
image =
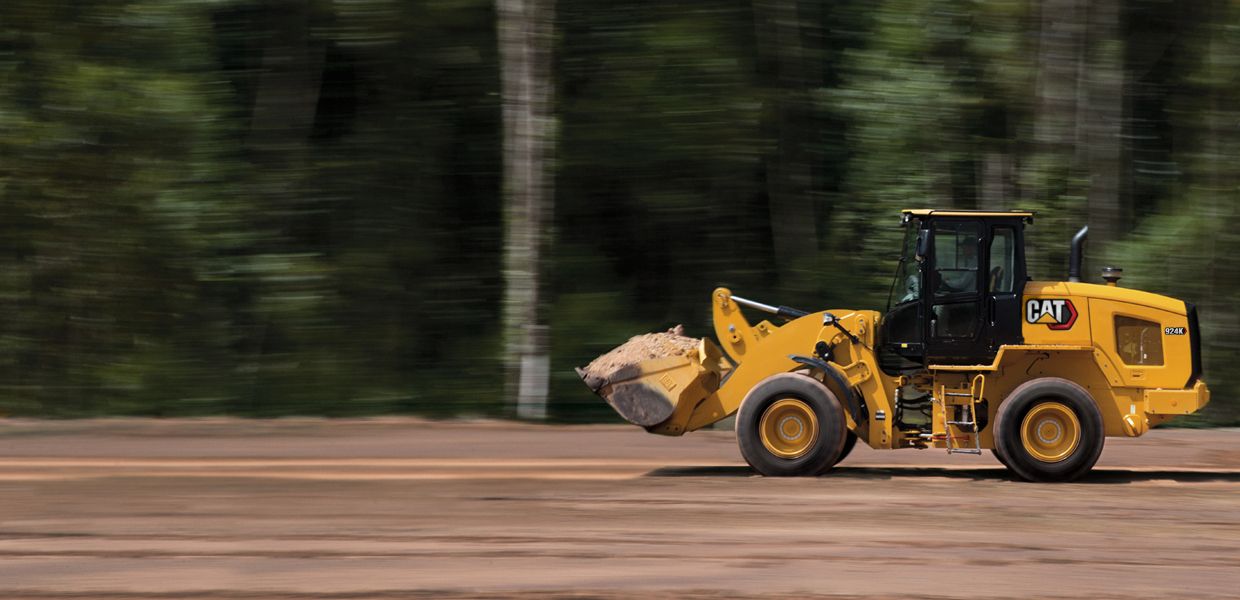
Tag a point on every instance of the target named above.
point(956, 295)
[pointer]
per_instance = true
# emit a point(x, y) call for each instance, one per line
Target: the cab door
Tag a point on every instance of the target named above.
point(955, 292)
point(903, 331)
point(1005, 284)
point(976, 278)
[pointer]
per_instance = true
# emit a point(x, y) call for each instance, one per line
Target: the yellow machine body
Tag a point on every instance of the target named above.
point(1135, 354)
point(1093, 353)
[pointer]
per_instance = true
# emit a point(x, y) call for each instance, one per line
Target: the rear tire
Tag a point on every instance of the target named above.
point(1049, 429)
point(790, 425)
point(999, 457)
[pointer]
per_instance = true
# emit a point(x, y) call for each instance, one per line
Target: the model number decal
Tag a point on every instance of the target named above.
point(1174, 330)
point(1056, 313)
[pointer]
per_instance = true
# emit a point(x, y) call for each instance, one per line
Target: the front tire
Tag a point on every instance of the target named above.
point(850, 442)
point(790, 425)
point(1049, 429)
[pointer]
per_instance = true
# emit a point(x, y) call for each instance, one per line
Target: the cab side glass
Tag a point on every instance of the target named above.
point(1002, 279)
point(955, 258)
point(907, 285)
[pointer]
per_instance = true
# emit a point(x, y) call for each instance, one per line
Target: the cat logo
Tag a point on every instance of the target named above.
point(1056, 314)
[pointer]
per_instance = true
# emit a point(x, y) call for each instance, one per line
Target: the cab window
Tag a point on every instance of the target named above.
point(955, 257)
point(1001, 278)
point(954, 311)
point(908, 275)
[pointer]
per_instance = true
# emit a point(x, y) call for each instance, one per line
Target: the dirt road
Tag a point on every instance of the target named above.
point(409, 509)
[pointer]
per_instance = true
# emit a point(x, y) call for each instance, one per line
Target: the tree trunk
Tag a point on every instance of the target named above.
point(995, 181)
point(789, 173)
point(525, 42)
point(1060, 45)
point(1104, 113)
point(288, 86)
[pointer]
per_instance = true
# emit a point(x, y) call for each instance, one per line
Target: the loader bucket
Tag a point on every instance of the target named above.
point(659, 392)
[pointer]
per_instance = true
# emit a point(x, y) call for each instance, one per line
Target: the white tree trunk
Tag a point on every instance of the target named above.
point(526, 36)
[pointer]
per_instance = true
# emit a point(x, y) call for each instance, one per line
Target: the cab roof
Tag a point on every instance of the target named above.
point(1027, 215)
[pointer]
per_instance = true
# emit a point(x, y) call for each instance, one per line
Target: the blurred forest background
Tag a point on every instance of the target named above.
point(270, 207)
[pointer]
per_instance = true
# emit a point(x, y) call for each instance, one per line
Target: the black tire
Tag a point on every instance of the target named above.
point(850, 442)
point(1043, 394)
point(822, 451)
point(999, 457)
point(997, 452)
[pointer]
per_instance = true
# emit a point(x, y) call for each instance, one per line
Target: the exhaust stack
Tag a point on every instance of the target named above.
point(1074, 257)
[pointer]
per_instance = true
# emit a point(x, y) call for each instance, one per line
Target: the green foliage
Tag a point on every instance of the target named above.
point(268, 207)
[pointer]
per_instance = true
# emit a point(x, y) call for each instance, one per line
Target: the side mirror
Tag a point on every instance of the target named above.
point(923, 244)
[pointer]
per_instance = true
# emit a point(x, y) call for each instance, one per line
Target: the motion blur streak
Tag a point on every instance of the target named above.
point(273, 207)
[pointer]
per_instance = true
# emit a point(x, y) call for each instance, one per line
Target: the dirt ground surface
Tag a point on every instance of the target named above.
point(403, 508)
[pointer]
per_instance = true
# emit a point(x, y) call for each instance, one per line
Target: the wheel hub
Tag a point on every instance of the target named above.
point(1050, 432)
point(788, 428)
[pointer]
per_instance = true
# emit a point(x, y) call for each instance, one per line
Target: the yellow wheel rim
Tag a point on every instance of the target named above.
point(788, 428)
point(1050, 432)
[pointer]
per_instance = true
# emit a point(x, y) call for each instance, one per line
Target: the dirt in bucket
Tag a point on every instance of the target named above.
point(673, 342)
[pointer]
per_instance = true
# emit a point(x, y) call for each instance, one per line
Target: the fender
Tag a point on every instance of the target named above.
point(856, 406)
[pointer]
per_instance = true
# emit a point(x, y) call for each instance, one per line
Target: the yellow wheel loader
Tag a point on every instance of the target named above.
point(971, 355)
